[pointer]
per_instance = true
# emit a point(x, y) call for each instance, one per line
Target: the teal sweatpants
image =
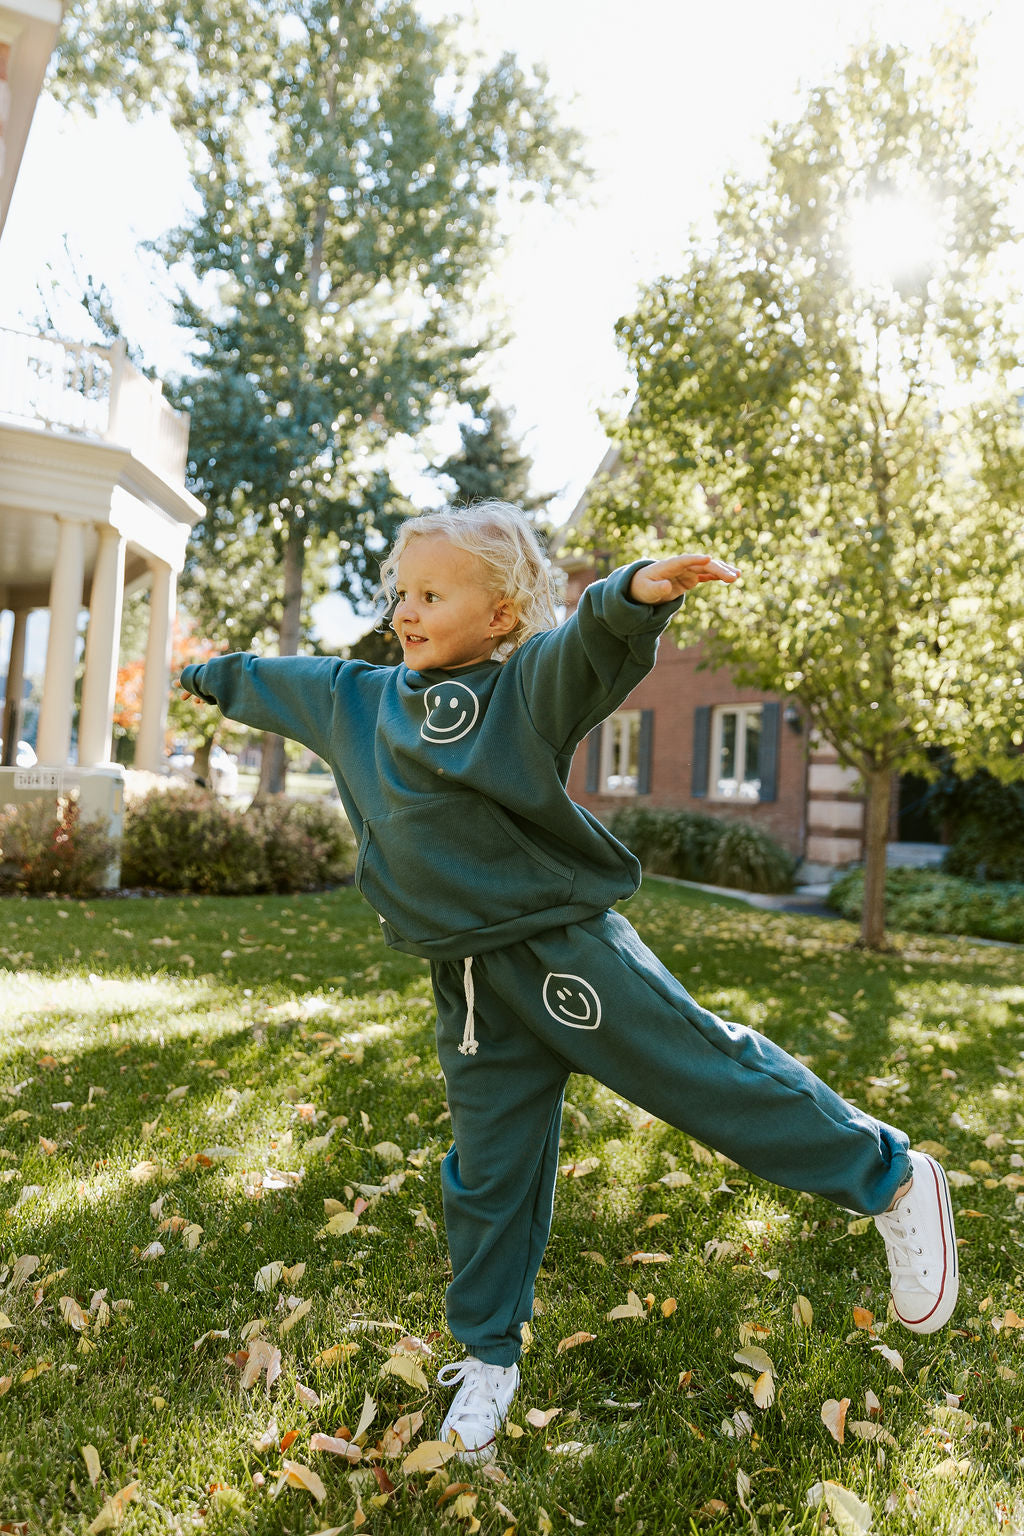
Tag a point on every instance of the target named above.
point(593, 998)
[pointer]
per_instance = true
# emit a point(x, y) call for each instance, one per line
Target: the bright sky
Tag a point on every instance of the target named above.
point(669, 96)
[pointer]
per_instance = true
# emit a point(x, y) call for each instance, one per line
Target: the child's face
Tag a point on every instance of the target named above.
point(446, 616)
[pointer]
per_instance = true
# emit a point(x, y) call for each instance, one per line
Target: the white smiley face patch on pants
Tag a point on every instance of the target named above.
point(572, 1001)
point(452, 711)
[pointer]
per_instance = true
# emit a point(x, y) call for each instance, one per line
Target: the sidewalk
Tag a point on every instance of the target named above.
point(807, 899)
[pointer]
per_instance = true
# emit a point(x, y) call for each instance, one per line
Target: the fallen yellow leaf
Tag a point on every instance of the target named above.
point(851, 1516)
point(407, 1368)
point(334, 1354)
point(572, 1341)
point(833, 1416)
point(336, 1447)
point(295, 1475)
point(632, 1307)
point(113, 1509)
point(540, 1418)
point(428, 1456)
point(91, 1457)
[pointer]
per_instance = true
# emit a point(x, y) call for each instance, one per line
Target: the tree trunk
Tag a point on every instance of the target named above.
point(876, 837)
point(272, 762)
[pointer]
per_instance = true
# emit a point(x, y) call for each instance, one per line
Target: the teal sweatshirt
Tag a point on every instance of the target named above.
point(454, 782)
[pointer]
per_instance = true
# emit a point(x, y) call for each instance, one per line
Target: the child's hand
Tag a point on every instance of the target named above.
point(668, 579)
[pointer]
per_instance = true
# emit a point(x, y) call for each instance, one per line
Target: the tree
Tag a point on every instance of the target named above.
point(828, 394)
point(349, 164)
point(490, 462)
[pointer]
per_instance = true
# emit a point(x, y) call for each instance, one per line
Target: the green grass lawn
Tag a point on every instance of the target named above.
point(204, 1074)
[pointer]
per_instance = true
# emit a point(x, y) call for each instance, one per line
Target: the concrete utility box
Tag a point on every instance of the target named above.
point(99, 792)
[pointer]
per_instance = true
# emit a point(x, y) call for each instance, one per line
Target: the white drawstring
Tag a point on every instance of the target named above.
point(469, 1042)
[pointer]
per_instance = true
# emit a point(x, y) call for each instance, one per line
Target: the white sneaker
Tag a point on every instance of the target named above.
point(479, 1407)
point(920, 1244)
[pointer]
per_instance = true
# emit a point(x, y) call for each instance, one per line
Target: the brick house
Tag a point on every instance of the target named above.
point(691, 739)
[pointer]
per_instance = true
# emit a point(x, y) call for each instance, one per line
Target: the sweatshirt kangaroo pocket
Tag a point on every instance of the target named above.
point(453, 864)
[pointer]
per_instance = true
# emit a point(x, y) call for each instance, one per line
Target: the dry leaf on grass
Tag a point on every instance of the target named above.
point(395, 1439)
point(91, 1457)
point(429, 1456)
point(113, 1509)
point(850, 1515)
point(336, 1447)
point(263, 1356)
point(632, 1307)
point(268, 1277)
point(334, 1354)
point(803, 1312)
point(72, 1314)
point(754, 1356)
point(288, 1323)
point(540, 1418)
point(407, 1368)
point(573, 1340)
point(893, 1356)
point(833, 1416)
point(295, 1475)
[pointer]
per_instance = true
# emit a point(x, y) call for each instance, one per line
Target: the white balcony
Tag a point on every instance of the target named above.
point(92, 392)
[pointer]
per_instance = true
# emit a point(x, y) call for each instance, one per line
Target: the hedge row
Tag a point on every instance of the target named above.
point(927, 901)
point(178, 840)
point(692, 846)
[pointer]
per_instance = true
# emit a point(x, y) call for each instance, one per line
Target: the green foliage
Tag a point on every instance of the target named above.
point(51, 849)
point(986, 818)
point(490, 463)
point(747, 858)
point(925, 901)
point(188, 840)
point(691, 846)
point(847, 428)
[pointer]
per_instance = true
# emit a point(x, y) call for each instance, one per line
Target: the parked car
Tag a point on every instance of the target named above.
point(223, 769)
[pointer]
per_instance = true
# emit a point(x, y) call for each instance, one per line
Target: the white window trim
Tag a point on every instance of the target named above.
point(623, 721)
point(718, 714)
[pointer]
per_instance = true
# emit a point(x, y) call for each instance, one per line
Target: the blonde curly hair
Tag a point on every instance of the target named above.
point(501, 538)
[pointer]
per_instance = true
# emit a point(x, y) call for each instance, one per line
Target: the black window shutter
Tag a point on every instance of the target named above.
point(594, 761)
point(768, 754)
point(701, 750)
point(643, 752)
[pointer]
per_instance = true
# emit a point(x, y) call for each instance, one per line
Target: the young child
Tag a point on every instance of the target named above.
point(452, 769)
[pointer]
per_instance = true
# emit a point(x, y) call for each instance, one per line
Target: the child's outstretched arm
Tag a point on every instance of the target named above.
point(578, 674)
point(293, 696)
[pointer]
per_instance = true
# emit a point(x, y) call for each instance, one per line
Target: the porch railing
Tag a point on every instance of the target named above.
point(93, 391)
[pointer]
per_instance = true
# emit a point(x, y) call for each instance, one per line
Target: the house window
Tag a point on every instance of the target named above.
point(620, 753)
point(736, 753)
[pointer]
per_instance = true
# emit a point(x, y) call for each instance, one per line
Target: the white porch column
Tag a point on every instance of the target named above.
point(54, 739)
point(156, 682)
point(96, 720)
point(14, 696)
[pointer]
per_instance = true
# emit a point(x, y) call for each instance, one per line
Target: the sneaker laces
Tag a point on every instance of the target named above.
point(899, 1248)
point(479, 1394)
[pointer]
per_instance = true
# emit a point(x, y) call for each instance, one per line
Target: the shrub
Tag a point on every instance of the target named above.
point(746, 858)
point(928, 901)
point(986, 820)
point(693, 846)
point(980, 851)
point(47, 848)
point(188, 840)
